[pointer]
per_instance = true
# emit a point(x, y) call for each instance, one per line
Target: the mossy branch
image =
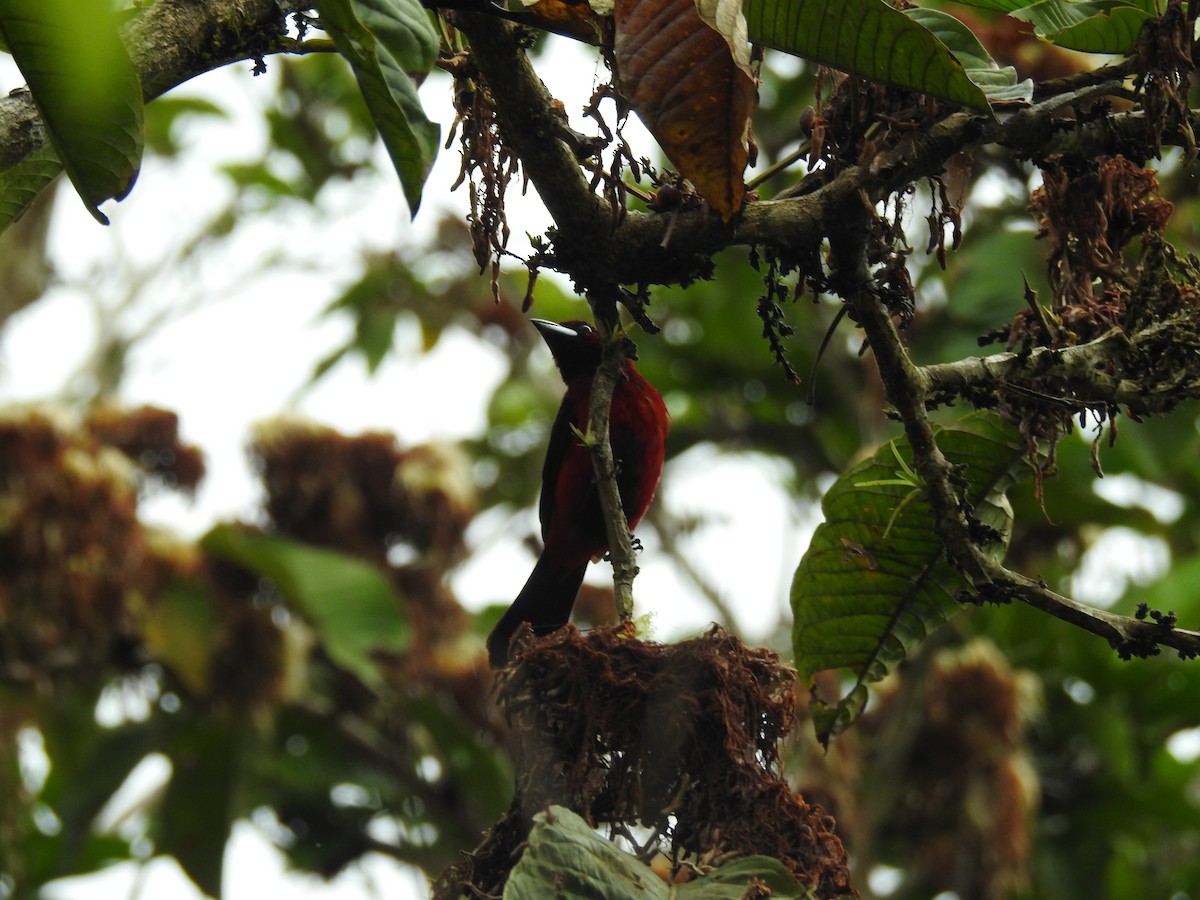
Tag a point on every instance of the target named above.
point(1114, 370)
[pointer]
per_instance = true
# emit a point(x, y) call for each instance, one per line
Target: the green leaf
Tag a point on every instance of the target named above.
point(996, 83)
point(199, 807)
point(85, 88)
point(471, 764)
point(20, 184)
point(88, 765)
point(79, 794)
point(384, 40)
point(1005, 6)
point(733, 881)
point(348, 601)
point(567, 859)
point(179, 628)
point(166, 112)
point(257, 176)
point(874, 582)
point(1100, 27)
point(375, 302)
point(866, 38)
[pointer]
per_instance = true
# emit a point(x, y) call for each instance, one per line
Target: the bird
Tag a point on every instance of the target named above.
point(572, 521)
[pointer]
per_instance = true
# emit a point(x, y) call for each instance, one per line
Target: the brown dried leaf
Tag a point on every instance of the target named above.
point(680, 77)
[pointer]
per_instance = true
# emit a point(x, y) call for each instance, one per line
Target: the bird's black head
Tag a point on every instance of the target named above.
point(575, 346)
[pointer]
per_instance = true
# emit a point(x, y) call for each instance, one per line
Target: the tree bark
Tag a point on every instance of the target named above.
point(170, 42)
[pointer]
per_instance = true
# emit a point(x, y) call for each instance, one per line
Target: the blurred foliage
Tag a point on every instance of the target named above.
point(1011, 756)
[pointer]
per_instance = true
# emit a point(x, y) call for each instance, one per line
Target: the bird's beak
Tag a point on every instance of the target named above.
point(559, 338)
point(552, 330)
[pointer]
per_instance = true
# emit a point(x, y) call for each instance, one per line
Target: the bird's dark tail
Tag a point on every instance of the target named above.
point(545, 603)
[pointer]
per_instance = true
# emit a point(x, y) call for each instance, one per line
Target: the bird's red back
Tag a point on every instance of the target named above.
point(637, 433)
point(572, 519)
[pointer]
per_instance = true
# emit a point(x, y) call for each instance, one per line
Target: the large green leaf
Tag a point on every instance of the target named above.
point(85, 87)
point(997, 83)
point(348, 601)
point(1005, 6)
point(866, 38)
point(384, 40)
point(1154, 7)
point(1093, 26)
point(874, 582)
point(1100, 27)
point(567, 859)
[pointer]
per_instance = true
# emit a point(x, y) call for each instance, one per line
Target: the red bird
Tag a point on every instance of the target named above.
point(571, 517)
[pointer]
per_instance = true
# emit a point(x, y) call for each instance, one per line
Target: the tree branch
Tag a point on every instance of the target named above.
point(595, 246)
point(534, 130)
point(1108, 371)
point(908, 388)
point(595, 252)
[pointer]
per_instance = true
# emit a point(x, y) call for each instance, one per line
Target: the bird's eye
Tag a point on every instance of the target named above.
point(583, 328)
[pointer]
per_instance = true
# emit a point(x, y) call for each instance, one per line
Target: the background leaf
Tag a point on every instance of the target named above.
point(85, 87)
point(996, 82)
point(89, 766)
point(1102, 27)
point(20, 184)
point(1005, 6)
point(874, 582)
point(199, 806)
point(180, 628)
point(1105, 26)
point(348, 601)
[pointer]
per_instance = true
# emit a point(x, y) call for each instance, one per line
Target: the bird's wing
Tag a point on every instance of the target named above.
point(561, 438)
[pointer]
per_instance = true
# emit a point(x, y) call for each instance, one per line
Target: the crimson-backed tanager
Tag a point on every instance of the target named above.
point(572, 521)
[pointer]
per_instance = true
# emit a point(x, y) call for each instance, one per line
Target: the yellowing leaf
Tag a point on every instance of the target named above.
point(180, 630)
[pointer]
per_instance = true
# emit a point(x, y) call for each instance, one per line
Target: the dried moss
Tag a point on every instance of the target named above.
point(679, 739)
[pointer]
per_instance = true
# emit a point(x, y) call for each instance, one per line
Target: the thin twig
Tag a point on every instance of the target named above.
point(604, 383)
point(780, 164)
